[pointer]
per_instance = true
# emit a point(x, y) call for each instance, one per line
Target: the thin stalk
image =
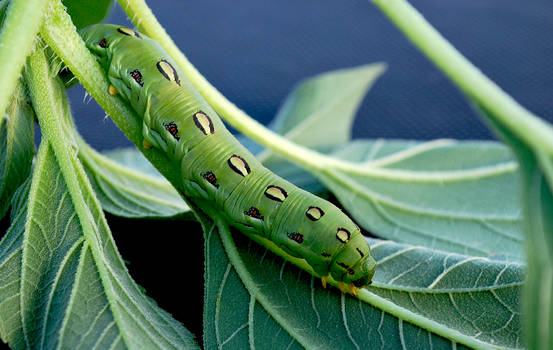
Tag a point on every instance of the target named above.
point(17, 37)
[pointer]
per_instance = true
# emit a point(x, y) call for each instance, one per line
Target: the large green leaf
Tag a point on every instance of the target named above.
point(16, 146)
point(73, 291)
point(72, 287)
point(442, 194)
point(319, 112)
point(453, 196)
point(420, 299)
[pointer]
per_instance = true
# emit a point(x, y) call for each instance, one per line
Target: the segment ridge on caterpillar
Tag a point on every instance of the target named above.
point(217, 172)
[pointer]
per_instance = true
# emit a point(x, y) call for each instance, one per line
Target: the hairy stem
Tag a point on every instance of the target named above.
point(60, 34)
point(18, 34)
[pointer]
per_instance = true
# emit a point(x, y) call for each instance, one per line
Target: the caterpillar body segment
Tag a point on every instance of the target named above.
point(217, 172)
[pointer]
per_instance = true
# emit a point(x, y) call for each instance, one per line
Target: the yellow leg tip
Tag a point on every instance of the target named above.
point(353, 289)
point(112, 90)
point(323, 281)
point(146, 144)
point(342, 287)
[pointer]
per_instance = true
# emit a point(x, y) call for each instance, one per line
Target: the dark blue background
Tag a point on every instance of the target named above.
point(255, 51)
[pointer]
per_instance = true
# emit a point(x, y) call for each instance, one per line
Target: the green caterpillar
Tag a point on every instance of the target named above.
point(218, 173)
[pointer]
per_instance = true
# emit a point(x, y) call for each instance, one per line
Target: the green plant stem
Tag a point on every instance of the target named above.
point(18, 34)
point(60, 34)
point(535, 132)
point(47, 105)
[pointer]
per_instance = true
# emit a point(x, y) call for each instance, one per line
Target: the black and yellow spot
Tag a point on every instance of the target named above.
point(276, 193)
point(296, 237)
point(254, 213)
point(343, 235)
point(239, 165)
point(203, 122)
point(211, 178)
point(103, 43)
point(129, 32)
point(168, 71)
point(173, 129)
point(137, 76)
point(314, 213)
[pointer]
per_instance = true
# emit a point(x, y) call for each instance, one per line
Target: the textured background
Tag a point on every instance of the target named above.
point(255, 51)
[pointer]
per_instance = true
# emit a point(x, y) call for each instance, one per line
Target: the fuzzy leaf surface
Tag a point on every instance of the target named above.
point(73, 290)
point(460, 197)
point(255, 299)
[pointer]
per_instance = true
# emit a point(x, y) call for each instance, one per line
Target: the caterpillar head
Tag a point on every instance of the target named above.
point(363, 272)
point(333, 244)
point(353, 265)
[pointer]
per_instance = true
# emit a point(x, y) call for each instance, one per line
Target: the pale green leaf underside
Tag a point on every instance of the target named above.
point(460, 197)
point(133, 159)
point(319, 112)
point(266, 300)
point(58, 293)
point(475, 295)
point(10, 273)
